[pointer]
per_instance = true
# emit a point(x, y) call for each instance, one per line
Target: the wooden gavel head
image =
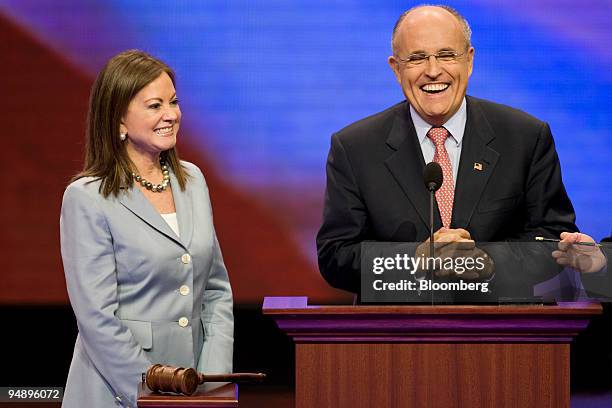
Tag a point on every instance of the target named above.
point(165, 378)
point(162, 378)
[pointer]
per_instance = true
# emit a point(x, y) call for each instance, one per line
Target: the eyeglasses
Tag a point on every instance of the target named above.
point(443, 57)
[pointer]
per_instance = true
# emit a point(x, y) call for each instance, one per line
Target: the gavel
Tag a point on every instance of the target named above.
point(165, 378)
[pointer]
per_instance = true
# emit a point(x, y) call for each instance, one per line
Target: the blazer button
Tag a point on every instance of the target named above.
point(186, 258)
point(184, 290)
point(183, 322)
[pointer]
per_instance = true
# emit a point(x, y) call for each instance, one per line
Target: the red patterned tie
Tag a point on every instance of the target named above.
point(446, 194)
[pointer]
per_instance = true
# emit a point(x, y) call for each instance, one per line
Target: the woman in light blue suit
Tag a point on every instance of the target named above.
point(143, 267)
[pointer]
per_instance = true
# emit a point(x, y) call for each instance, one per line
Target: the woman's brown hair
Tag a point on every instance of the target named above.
point(106, 157)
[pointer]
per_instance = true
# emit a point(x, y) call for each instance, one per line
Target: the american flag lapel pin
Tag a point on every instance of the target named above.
point(478, 166)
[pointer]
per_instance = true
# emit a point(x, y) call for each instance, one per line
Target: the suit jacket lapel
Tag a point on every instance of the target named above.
point(137, 203)
point(476, 165)
point(184, 209)
point(406, 165)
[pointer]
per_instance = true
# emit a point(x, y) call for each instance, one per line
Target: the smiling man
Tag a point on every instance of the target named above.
point(432, 60)
point(502, 178)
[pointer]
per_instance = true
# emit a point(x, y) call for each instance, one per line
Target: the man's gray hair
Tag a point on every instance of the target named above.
point(467, 31)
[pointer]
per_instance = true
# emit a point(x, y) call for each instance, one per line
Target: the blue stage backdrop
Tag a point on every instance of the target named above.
point(263, 84)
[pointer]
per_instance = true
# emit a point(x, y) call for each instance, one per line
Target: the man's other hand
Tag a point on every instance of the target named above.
point(583, 258)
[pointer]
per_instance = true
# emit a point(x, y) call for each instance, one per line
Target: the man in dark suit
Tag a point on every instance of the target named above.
point(502, 178)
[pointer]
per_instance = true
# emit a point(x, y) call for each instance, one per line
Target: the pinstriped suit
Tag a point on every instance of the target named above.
point(124, 266)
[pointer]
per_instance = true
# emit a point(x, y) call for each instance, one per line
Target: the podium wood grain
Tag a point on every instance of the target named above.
point(441, 375)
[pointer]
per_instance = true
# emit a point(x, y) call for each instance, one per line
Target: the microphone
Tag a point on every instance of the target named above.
point(432, 176)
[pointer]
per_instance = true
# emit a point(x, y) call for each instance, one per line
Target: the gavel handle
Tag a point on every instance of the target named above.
point(234, 377)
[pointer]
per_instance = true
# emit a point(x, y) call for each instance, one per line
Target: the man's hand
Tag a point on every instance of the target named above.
point(445, 236)
point(456, 243)
point(583, 258)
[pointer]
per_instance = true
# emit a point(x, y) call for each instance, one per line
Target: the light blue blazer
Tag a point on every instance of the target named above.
point(141, 294)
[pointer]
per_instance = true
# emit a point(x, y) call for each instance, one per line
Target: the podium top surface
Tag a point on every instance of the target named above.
point(299, 305)
point(208, 395)
point(514, 323)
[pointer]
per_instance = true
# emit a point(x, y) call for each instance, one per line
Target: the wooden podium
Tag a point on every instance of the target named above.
point(208, 395)
point(431, 356)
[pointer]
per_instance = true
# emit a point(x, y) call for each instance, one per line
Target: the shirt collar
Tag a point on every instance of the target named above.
point(455, 125)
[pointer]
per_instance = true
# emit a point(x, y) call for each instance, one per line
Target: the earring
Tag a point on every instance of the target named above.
point(123, 136)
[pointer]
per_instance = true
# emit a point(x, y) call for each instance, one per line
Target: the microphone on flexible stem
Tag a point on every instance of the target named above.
point(433, 178)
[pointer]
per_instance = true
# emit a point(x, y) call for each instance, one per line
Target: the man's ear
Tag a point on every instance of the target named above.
point(394, 64)
point(470, 52)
